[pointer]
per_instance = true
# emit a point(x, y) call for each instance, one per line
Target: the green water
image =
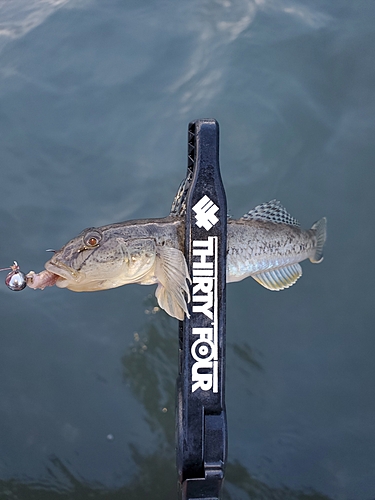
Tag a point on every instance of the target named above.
point(95, 99)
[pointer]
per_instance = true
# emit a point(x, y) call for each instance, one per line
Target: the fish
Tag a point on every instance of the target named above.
point(266, 243)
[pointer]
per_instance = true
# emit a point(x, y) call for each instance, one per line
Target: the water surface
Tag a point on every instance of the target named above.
point(95, 99)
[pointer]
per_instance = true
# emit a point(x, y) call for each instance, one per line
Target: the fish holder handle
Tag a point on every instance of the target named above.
point(201, 425)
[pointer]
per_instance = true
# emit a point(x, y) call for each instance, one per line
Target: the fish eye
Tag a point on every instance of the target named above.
point(92, 239)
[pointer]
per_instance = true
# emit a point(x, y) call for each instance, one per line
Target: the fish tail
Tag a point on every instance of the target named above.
point(320, 229)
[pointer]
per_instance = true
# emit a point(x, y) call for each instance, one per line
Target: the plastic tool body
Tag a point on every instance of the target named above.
point(201, 417)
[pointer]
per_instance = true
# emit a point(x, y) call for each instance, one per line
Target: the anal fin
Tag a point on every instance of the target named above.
point(278, 279)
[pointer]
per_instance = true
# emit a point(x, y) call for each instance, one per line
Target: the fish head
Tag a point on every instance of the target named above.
point(102, 258)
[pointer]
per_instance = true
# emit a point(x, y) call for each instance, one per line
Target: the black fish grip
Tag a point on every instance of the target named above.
point(201, 417)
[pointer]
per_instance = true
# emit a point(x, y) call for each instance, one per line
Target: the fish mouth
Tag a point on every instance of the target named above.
point(65, 273)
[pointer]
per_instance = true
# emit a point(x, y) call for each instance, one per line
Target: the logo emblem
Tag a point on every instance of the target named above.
point(205, 211)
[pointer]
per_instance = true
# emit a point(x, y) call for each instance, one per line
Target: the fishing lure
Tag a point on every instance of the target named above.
point(15, 280)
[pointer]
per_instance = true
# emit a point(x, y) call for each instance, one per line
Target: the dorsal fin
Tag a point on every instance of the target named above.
point(178, 208)
point(272, 211)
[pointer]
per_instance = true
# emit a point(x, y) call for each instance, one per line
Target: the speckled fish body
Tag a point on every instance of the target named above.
point(256, 247)
point(266, 244)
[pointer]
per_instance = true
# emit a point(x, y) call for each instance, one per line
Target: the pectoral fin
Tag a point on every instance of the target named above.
point(278, 279)
point(171, 272)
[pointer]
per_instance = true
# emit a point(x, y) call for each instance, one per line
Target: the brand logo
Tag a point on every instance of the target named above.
point(205, 302)
point(205, 369)
point(205, 211)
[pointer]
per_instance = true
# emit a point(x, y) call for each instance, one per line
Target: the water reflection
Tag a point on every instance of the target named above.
point(150, 370)
point(20, 16)
point(244, 353)
point(150, 367)
point(240, 484)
